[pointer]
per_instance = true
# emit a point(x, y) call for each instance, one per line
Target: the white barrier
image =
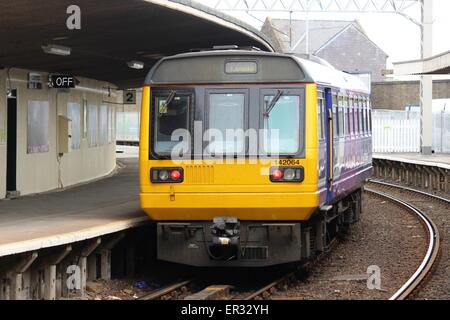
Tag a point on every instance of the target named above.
point(395, 135)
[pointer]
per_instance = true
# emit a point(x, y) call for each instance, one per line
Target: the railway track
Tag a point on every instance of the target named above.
point(424, 269)
point(182, 290)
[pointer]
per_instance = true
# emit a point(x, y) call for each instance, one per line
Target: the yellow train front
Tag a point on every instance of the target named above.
point(240, 163)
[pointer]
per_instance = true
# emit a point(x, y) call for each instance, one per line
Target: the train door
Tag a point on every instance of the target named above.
point(329, 142)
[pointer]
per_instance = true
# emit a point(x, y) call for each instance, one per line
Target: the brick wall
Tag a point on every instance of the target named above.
point(396, 95)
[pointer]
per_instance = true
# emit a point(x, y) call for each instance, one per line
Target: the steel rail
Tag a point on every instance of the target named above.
point(260, 292)
point(387, 184)
point(158, 293)
point(432, 252)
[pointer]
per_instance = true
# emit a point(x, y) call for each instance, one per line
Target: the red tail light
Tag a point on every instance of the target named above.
point(277, 174)
point(175, 175)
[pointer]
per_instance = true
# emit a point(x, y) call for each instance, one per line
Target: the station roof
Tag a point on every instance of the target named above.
point(439, 64)
point(113, 33)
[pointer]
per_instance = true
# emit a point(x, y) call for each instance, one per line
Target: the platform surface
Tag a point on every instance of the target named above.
point(86, 211)
point(438, 160)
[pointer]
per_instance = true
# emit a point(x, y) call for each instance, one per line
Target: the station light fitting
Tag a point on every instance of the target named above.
point(135, 64)
point(56, 49)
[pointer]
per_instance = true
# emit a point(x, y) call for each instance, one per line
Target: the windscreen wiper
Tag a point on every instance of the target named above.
point(273, 103)
point(169, 99)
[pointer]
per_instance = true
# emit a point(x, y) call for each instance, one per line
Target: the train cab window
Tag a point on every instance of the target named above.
point(281, 124)
point(226, 120)
point(320, 115)
point(171, 113)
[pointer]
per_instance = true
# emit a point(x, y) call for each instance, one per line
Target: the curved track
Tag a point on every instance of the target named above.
point(433, 235)
point(182, 289)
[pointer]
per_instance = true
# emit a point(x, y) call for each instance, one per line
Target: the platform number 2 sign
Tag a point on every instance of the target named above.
point(129, 97)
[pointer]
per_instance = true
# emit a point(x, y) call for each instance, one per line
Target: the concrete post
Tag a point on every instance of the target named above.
point(50, 282)
point(426, 82)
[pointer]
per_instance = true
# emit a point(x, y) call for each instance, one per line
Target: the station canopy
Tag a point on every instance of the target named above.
point(113, 34)
point(439, 64)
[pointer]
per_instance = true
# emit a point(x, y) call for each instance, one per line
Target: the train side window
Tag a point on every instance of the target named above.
point(346, 121)
point(352, 116)
point(360, 114)
point(356, 115)
point(320, 115)
point(366, 102)
point(341, 118)
point(335, 117)
point(364, 116)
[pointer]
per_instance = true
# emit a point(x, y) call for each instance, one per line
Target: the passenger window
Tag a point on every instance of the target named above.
point(360, 118)
point(336, 123)
point(366, 114)
point(226, 123)
point(171, 113)
point(320, 115)
point(364, 117)
point(348, 110)
point(352, 116)
point(341, 118)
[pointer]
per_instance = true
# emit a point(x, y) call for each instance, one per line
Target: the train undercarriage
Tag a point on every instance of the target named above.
point(228, 241)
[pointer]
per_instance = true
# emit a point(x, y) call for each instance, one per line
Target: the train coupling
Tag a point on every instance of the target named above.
point(225, 231)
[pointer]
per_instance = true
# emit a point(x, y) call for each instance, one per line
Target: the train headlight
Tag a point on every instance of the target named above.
point(289, 174)
point(166, 175)
point(286, 174)
point(163, 175)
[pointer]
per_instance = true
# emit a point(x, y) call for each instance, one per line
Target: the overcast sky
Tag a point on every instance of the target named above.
point(396, 35)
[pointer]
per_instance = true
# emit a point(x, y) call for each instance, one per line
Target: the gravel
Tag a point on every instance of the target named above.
point(437, 285)
point(385, 236)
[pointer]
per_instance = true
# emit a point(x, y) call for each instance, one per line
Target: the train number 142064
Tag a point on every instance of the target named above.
point(288, 162)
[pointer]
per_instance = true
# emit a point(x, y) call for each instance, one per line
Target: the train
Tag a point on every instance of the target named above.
point(251, 158)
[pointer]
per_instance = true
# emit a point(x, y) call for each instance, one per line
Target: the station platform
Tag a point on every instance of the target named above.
point(436, 160)
point(55, 218)
point(430, 172)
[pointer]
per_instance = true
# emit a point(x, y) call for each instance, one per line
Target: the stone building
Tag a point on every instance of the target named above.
point(344, 44)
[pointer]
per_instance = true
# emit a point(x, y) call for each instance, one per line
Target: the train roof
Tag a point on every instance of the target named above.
point(247, 66)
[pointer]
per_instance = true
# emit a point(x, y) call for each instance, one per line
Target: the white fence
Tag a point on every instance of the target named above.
point(399, 131)
point(395, 135)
